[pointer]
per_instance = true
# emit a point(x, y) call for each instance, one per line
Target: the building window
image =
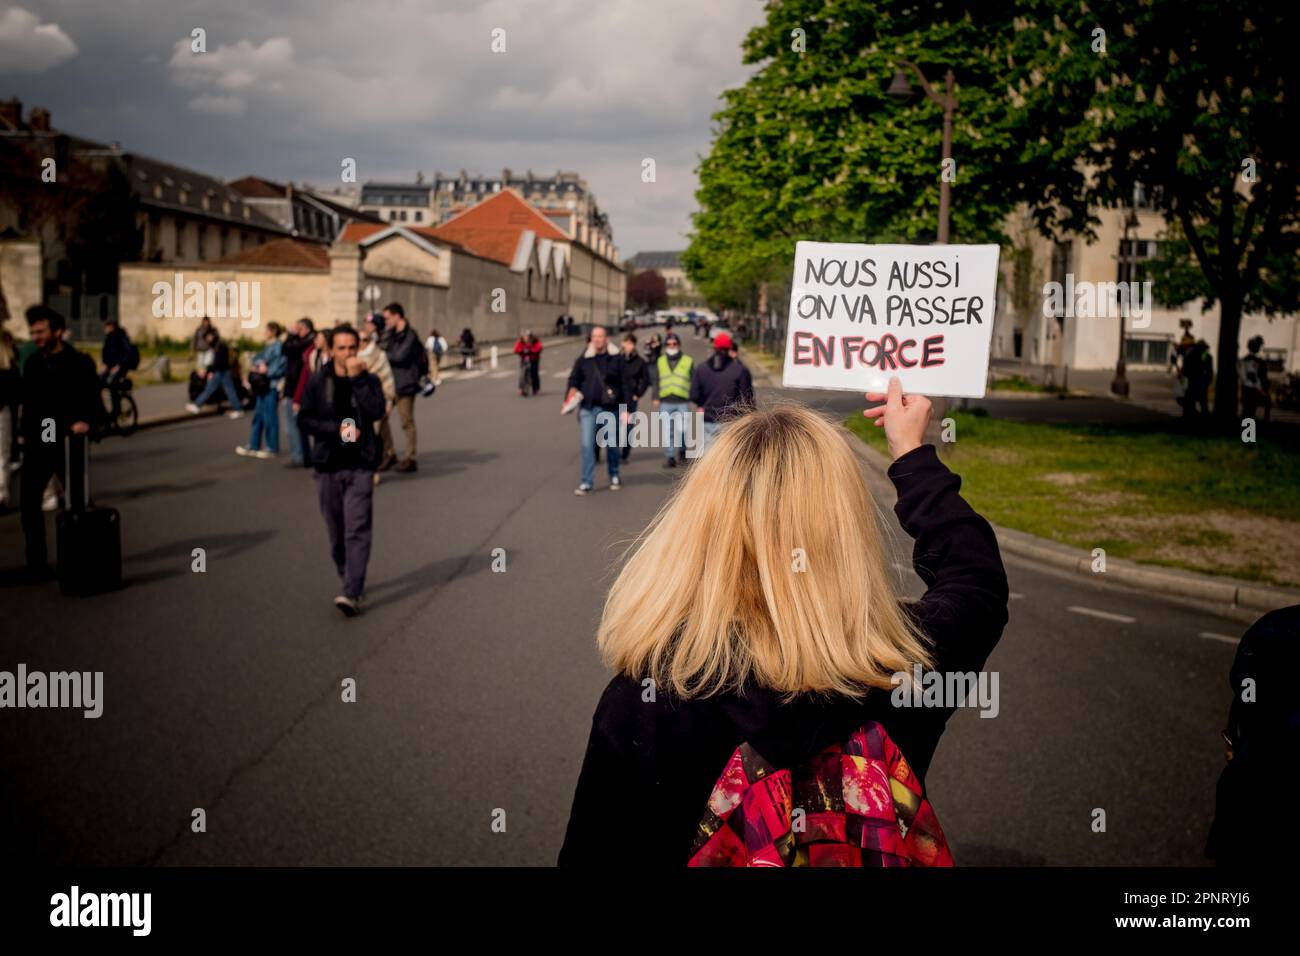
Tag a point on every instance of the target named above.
point(1142, 252)
point(529, 293)
point(1146, 351)
point(392, 215)
point(180, 239)
point(225, 239)
point(402, 217)
point(419, 216)
point(203, 236)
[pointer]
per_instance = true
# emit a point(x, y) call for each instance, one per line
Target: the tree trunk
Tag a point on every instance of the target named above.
point(1225, 379)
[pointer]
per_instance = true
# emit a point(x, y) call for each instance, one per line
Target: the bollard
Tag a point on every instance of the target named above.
point(494, 356)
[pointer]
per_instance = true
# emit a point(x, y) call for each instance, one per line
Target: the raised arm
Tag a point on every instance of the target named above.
point(956, 554)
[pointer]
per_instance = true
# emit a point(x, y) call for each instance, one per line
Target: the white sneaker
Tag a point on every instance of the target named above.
point(244, 450)
point(582, 490)
point(351, 607)
point(192, 408)
point(615, 484)
point(233, 415)
point(263, 454)
point(51, 503)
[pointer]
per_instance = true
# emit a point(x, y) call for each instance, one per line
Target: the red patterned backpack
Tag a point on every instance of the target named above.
point(855, 804)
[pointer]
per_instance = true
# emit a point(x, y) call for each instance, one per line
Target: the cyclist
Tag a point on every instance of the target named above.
point(118, 356)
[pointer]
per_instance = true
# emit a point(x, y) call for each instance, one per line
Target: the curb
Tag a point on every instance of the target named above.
point(159, 420)
point(1227, 596)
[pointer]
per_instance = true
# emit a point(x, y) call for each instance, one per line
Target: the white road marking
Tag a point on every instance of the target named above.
point(1014, 595)
point(500, 374)
point(1104, 615)
point(559, 375)
point(1211, 636)
point(474, 374)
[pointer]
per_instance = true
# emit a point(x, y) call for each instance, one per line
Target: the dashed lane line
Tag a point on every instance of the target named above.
point(1211, 636)
point(1104, 615)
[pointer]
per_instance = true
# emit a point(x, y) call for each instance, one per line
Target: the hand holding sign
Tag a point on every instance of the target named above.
point(903, 417)
point(860, 314)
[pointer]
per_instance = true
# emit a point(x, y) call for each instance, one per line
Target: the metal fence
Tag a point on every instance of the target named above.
point(85, 314)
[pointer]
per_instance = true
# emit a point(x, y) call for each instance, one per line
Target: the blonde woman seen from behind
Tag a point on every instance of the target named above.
point(757, 638)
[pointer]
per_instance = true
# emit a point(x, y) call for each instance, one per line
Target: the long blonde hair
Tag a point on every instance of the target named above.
point(765, 567)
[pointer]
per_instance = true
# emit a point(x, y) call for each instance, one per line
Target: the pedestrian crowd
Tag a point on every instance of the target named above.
point(608, 383)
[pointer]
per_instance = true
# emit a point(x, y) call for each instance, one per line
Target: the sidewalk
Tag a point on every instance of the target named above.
point(1148, 388)
point(164, 404)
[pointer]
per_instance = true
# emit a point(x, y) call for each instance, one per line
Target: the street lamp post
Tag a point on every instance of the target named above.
point(900, 90)
point(1124, 273)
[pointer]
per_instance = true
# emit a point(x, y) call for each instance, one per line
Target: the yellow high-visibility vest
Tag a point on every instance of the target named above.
point(675, 383)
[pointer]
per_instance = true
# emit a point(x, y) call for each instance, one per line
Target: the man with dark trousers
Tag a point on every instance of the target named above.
point(409, 361)
point(340, 406)
point(60, 390)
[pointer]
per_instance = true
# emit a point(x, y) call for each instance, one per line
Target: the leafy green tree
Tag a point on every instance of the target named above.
point(811, 147)
point(1193, 100)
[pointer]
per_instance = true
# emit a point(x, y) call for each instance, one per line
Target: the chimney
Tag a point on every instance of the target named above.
point(39, 121)
point(11, 113)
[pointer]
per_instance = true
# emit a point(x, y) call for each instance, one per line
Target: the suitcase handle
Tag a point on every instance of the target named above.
point(76, 480)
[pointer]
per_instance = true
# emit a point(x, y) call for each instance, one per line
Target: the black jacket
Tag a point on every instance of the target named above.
point(116, 350)
point(638, 375)
point(293, 349)
point(321, 420)
point(1264, 735)
point(220, 357)
point(404, 350)
point(720, 385)
point(656, 763)
point(602, 379)
point(61, 385)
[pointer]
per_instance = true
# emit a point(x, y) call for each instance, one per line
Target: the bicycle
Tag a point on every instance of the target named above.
point(124, 416)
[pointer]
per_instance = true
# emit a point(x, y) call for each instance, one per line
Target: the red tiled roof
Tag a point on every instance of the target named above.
point(357, 231)
point(492, 228)
point(284, 253)
point(257, 188)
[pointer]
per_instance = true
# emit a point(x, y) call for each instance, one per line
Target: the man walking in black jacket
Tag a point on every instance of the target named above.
point(600, 377)
point(409, 361)
point(721, 387)
point(638, 379)
point(60, 397)
point(340, 406)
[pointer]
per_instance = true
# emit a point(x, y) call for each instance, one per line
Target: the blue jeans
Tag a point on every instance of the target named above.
point(266, 422)
point(711, 430)
point(219, 380)
point(673, 426)
point(291, 429)
point(589, 419)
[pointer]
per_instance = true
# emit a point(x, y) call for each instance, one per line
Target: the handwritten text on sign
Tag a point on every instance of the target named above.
point(862, 313)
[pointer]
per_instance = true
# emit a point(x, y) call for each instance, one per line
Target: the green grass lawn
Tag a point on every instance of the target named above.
point(1204, 503)
point(1018, 383)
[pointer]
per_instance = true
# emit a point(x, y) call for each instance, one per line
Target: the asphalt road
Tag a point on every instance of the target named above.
point(222, 689)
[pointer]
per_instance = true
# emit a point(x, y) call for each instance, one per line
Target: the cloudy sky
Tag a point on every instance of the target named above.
point(400, 85)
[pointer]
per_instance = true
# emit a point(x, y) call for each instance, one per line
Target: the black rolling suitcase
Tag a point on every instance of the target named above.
point(89, 539)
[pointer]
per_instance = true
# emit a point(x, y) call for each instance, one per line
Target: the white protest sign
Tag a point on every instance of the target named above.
point(862, 313)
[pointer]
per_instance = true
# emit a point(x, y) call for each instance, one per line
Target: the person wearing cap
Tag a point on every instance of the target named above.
point(722, 387)
point(670, 374)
